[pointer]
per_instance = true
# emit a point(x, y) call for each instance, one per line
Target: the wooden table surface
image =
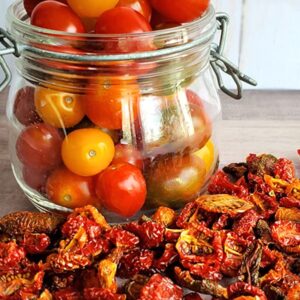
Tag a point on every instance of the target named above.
point(263, 122)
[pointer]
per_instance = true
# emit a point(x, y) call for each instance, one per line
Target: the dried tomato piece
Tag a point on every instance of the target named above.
point(67, 294)
point(160, 287)
point(135, 261)
point(261, 164)
point(290, 202)
point(284, 169)
point(233, 247)
point(172, 235)
point(287, 214)
point(19, 223)
point(294, 293)
point(221, 222)
point(169, 257)
point(122, 238)
point(165, 216)
point(265, 205)
point(205, 286)
point(100, 293)
point(35, 243)
point(11, 256)
point(192, 296)
point(244, 225)
point(223, 203)
point(221, 184)
point(151, 234)
point(263, 231)
point(276, 185)
point(286, 233)
point(236, 170)
point(134, 286)
point(244, 289)
point(293, 189)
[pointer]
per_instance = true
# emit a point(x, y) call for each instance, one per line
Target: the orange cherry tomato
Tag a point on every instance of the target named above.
point(87, 152)
point(122, 189)
point(57, 108)
point(141, 6)
point(111, 102)
point(70, 190)
point(91, 8)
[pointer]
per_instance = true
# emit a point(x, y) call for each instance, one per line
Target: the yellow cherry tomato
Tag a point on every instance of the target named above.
point(57, 108)
point(207, 154)
point(91, 8)
point(88, 151)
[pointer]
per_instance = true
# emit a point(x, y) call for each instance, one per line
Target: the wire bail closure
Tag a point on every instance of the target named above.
point(219, 63)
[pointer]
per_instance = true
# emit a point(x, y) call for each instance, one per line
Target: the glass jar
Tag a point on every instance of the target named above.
point(83, 106)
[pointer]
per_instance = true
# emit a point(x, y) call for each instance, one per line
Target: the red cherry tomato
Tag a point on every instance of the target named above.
point(121, 189)
point(39, 146)
point(56, 16)
point(24, 109)
point(141, 6)
point(29, 5)
point(70, 190)
point(35, 178)
point(180, 11)
point(128, 154)
point(124, 20)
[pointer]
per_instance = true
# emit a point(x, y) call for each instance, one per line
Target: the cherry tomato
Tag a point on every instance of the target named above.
point(59, 109)
point(91, 8)
point(180, 11)
point(111, 102)
point(128, 154)
point(172, 181)
point(87, 152)
point(56, 16)
point(39, 146)
point(35, 178)
point(70, 190)
point(141, 6)
point(121, 20)
point(24, 109)
point(121, 189)
point(29, 5)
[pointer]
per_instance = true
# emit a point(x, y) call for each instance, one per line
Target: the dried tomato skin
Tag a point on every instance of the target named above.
point(286, 233)
point(103, 294)
point(151, 234)
point(36, 243)
point(66, 294)
point(169, 257)
point(289, 202)
point(122, 238)
point(159, 287)
point(244, 289)
point(261, 164)
point(165, 216)
point(11, 256)
point(284, 169)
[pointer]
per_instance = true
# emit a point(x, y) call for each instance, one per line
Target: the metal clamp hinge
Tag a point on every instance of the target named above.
point(7, 46)
point(220, 63)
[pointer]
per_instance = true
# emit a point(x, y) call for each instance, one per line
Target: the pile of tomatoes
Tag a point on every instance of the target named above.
point(72, 146)
point(112, 16)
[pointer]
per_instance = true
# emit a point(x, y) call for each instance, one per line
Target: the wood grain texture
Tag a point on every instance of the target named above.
point(240, 132)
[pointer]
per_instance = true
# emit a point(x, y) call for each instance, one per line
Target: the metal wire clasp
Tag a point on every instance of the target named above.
point(7, 46)
point(220, 63)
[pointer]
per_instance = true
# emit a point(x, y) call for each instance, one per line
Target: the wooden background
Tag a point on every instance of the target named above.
point(263, 122)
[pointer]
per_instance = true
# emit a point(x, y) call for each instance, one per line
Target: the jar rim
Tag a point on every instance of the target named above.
point(16, 15)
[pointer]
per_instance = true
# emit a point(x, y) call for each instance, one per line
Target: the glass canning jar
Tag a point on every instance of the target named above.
point(82, 103)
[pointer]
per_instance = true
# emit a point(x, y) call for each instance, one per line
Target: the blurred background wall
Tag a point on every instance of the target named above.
point(264, 39)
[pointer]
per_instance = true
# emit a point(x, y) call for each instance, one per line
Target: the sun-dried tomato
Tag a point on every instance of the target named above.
point(134, 286)
point(286, 233)
point(11, 256)
point(284, 169)
point(160, 287)
point(221, 222)
point(244, 225)
point(188, 211)
point(263, 231)
point(265, 205)
point(172, 235)
point(192, 296)
point(293, 189)
point(294, 293)
point(287, 214)
point(151, 234)
point(244, 289)
point(261, 164)
point(135, 261)
point(236, 170)
point(169, 257)
point(122, 238)
point(165, 216)
point(234, 247)
point(221, 184)
point(290, 202)
point(35, 243)
point(277, 185)
point(100, 293)
point(67, 294)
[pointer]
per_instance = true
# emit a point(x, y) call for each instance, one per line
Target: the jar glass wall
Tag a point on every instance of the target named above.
point(77, 110)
